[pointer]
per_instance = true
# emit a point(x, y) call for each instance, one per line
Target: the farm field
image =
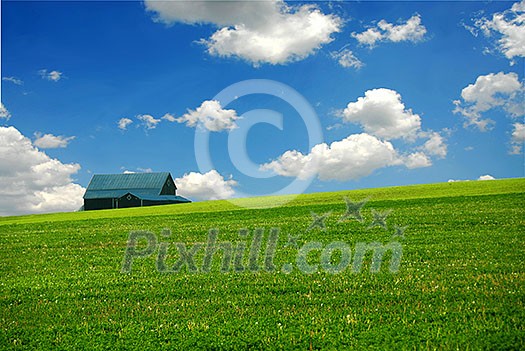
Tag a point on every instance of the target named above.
point(460, 283)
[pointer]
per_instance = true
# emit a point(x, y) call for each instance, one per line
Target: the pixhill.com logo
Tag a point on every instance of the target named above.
point(255, 250)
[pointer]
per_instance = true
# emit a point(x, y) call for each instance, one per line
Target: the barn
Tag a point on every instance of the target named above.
point(106, 191)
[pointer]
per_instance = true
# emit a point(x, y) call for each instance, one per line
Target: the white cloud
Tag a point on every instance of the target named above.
point(4, 113)
point(509, 28)
point(50, 141)
point(334, 126)
point(483, 177)
point(354, 157)
point(383, 116)
point(381, 113)
point(211, 116)
point(347, 59)
point(369, 37)
point(435, 145)
point(32, 182)
point(490, 91)
point(486, 177)
point(169, 117)
point(256, 31)
point(417, 160)
point(220, 13)
point(54, 76)
point(139, 170)
point(13, 80)
point(518, 138)
point(207, 186)
point(412, 30)
point(148, 121)
point(123, 123)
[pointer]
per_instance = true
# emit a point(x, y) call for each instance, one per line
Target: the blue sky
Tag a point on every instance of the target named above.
point(435, 92)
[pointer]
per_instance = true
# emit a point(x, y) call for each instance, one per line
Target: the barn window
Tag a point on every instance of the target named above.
point(128, 197)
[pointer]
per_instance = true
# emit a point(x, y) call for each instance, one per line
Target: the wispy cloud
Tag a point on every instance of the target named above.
point(347, 59)
point(54, 76)
point(50, 141)
point(148, 121)
point(517, 138)
point(4, 113)
point(13, 80)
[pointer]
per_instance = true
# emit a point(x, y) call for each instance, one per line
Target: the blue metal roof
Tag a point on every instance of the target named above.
point(104, 194)
point(171, 198)
point(128, 181)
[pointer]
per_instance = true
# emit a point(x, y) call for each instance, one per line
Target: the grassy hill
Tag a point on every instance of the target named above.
point(460, 282)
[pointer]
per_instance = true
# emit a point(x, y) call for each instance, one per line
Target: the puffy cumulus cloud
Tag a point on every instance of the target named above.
point(256, 31)
point(417, 160)
point(4, 113)
point(221, 13)
point(486, 177)
point(64, 198)
point(354, 157)
point(382, 113)
point(32, 182)
point(54, 76)
point(383, 116)
point(209, 115)
point(292, 37)
point(412, 30)
point(347, 59)
point(435, 145)
point(148, 121)
point(207, 186)
point(493, 90)
point(518, 138)
point(509, 29)
point(369, 37)
point(50, 141)
point(123, 123)
point(486, 91)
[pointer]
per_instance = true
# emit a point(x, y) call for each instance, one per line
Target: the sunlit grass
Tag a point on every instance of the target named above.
point(460, 284)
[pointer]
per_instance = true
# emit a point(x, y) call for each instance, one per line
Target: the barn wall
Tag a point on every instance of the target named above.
point(123, 202)
point(97, 204)
point(169, 189)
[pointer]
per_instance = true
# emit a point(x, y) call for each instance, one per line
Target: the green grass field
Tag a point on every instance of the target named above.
point(460, 284)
